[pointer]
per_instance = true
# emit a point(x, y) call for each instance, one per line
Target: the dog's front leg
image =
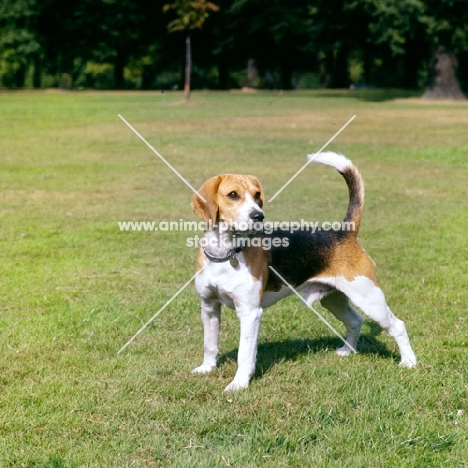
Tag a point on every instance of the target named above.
point(211, 318)
point(246, 358)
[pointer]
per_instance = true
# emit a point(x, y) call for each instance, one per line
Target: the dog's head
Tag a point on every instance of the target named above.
point(231, 199)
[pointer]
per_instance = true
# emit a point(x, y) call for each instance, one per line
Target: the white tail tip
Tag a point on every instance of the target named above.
point(338, 161)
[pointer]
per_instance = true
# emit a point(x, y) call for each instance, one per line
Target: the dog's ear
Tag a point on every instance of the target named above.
point(259, 187)
point(209, 191)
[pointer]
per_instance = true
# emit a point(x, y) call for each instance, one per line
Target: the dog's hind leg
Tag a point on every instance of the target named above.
point(366, 295)
point(338, 304)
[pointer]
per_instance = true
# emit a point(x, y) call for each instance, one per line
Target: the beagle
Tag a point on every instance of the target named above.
point(327, 266)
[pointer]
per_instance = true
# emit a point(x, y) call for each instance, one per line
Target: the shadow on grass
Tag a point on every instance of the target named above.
point(370, 94)
point(272, 353)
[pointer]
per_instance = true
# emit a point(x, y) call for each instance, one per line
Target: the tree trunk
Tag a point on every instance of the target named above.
point(253, 79)
point(188, 68)
point(411, 68)
point(367, 64)
point(286, 75)
point(37, 75)
point(325, 68)
point(443, 82)
point(20, 77)
point(334, 69)
point(340, 71)
point(119, 71)
point(223, 74)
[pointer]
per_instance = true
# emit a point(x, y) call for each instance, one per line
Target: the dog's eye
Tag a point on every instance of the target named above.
point(233, 195)
point(257, 195)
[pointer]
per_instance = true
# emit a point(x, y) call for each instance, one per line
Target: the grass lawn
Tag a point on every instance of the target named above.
point(74, 288)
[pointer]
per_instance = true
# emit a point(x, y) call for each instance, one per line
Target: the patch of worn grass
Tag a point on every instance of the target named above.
point(74, 288)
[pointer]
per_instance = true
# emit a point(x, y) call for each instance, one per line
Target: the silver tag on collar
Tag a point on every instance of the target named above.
point(233, 261)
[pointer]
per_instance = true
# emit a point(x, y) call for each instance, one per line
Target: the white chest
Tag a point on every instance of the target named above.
point(231, 285)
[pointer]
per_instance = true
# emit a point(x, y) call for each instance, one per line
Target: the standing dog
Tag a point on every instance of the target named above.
point(326, 266)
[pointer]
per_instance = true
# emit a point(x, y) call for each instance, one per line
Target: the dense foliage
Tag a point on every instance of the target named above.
point(262, 43)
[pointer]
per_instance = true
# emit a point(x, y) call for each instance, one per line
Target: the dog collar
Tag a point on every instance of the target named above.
point(230, 255)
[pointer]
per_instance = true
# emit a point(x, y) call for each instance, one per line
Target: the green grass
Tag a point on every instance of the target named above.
point(74, 288)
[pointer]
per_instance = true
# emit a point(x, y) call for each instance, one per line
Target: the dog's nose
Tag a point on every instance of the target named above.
point(256, 216)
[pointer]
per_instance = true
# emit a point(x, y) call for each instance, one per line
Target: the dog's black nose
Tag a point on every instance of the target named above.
point(256, 216)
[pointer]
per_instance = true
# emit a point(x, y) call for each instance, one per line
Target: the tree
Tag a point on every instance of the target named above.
point(338, 31)
point(191, 14)
point(443, 82)
point(19, 45)
point(270, 35)
point(413, 36)
point(447, 30)
point(111, 32)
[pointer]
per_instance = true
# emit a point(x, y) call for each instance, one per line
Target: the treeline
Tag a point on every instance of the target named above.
point(126, 44)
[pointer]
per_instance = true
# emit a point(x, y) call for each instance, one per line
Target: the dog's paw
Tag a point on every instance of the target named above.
point(236, 385)
point(203, 369)
point(408, 362)
point(344, 351)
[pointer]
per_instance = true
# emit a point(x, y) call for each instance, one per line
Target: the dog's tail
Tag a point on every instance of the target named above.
point(354, 182)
